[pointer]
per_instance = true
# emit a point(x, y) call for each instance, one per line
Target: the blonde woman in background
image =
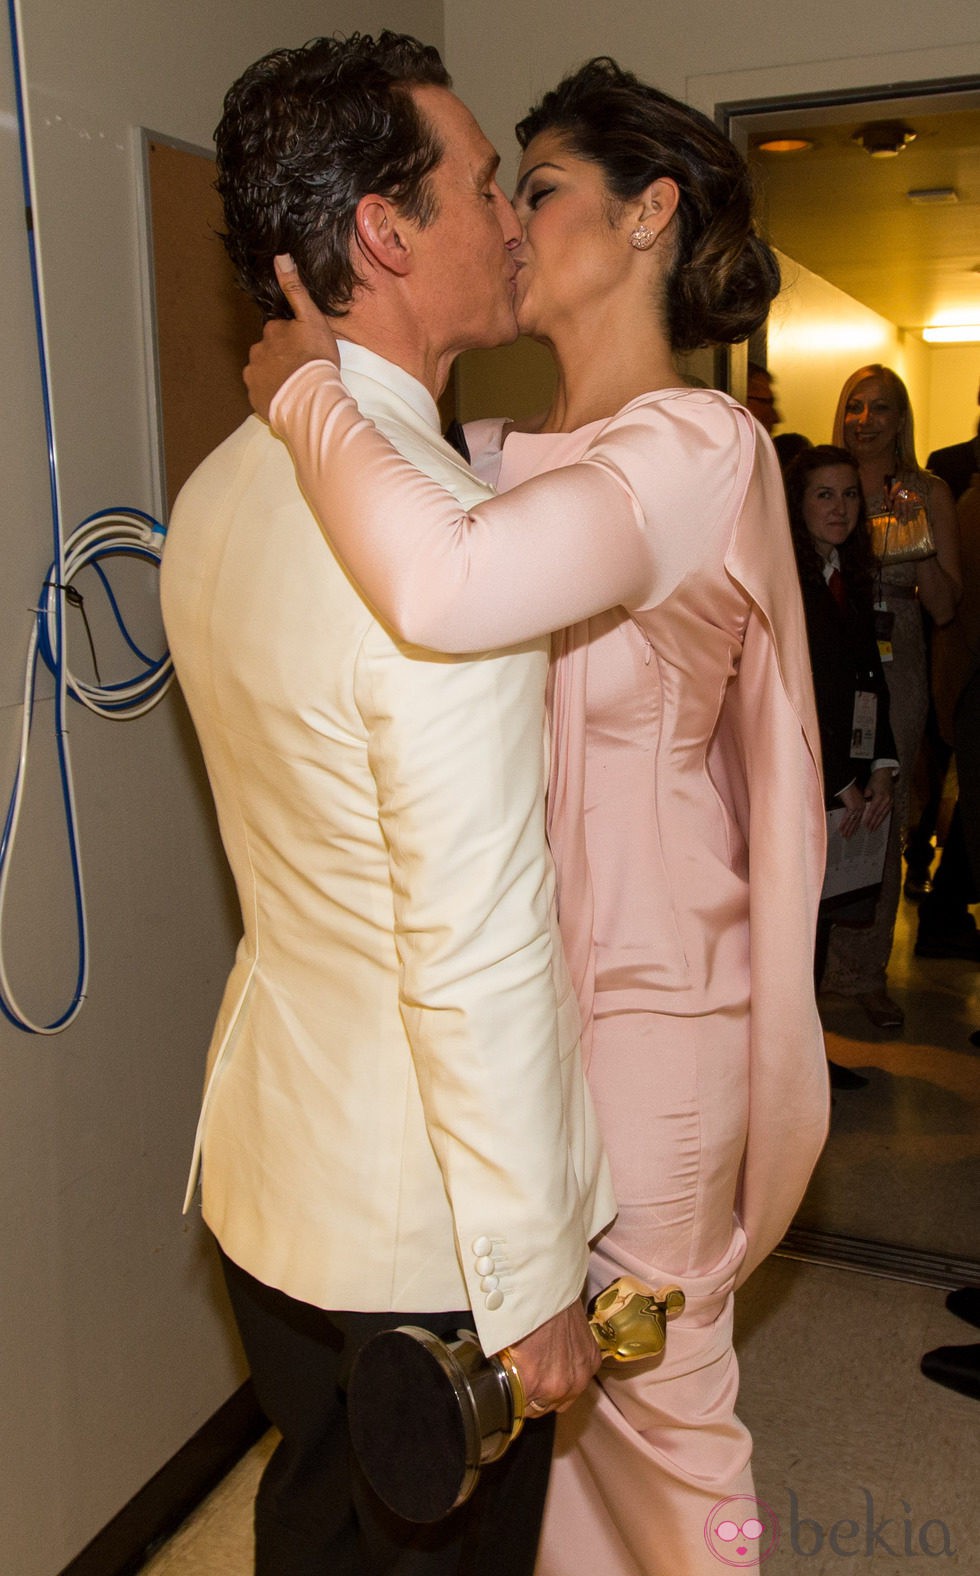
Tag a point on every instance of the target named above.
point(874, 423)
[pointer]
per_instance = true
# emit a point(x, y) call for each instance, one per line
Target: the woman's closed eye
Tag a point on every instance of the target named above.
point(535, 197)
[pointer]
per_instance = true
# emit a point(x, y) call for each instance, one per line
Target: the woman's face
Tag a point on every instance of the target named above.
point(575, 248)
point(872, 420)
point(831, 505)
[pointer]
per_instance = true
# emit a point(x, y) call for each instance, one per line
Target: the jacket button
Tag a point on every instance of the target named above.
point(485, 1265)
point(490, 1283)
point(494, 1300)
point(482, 1245)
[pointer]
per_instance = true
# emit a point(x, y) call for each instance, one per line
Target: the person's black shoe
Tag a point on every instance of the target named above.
point(965, 1303)
point(918, 872)
point(957, 1367)
point(845, 1077)
point(916, 887)
point(881, 1010)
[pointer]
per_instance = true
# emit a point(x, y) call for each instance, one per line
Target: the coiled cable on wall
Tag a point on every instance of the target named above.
point(109, 534)
point(115, 533)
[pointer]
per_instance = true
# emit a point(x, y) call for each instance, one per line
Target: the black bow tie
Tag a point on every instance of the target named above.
point(457, 438)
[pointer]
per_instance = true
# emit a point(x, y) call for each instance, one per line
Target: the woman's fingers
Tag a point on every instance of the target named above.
point(293, 288)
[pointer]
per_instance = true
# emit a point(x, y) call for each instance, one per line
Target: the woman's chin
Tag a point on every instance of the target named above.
point(869, 448)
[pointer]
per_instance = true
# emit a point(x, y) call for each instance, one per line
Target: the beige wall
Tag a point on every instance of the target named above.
point(503, 56)
point(114, 1347)
point(954, 373)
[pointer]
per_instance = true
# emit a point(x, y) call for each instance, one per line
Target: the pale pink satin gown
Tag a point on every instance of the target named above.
point(684, 736)
point(660, 877)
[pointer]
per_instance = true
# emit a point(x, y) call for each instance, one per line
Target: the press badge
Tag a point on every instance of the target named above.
point(884, 625)
point(863, 726)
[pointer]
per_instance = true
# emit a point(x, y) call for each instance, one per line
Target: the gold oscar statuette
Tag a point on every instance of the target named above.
point(425, 1414)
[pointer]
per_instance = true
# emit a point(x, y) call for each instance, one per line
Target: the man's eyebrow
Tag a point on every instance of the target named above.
point(544, 165)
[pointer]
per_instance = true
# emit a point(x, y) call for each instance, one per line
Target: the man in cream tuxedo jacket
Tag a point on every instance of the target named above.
point(395, 1127)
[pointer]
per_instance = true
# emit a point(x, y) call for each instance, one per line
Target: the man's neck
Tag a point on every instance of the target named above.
point(386, 335)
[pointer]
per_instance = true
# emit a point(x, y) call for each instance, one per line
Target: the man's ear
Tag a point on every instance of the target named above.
point(383, 237)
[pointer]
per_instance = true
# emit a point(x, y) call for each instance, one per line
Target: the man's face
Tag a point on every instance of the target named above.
point(761, 400)
point(466, 275)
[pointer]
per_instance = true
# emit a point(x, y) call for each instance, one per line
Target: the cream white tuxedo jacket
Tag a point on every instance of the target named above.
point(395, 1115)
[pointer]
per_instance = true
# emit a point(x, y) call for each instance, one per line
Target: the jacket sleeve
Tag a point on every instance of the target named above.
point(456, 749)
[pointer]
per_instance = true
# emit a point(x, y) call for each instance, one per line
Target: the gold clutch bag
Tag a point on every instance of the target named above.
point(897, 540)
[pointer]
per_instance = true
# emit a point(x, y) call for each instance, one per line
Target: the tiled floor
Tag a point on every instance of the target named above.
point(846, 1431)
point(858, 1457)
point(903, 1161)
point(217, 1539)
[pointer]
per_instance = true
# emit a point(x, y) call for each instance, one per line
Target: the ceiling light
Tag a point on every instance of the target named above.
point(784, 145)
point(953, 334)
point(932, 194)
point(883, 139)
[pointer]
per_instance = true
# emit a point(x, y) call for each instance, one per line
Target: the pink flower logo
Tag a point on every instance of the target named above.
point(742, 1531)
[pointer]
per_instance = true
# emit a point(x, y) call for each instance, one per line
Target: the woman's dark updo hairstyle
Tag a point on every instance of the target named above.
point(857, 559)
point(722, 277)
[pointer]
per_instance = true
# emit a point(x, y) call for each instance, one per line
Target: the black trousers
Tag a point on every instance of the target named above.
point(315, 1515)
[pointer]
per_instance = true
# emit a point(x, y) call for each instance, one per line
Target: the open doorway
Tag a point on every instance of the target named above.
point(876, 245)
point(875, 218)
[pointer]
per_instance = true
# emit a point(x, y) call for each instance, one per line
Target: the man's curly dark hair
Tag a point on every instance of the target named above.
point(305, 134)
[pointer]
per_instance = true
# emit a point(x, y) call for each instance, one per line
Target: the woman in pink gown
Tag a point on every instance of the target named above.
point(646, 522)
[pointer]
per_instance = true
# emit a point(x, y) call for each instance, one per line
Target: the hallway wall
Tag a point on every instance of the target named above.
point(113, 1345)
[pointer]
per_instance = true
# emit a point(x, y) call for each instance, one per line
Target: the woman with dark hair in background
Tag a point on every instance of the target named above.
point(837, 573)
point(649, 518)
point(874, 424)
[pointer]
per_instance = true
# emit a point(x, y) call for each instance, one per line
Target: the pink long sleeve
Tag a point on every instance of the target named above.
point(620, 528)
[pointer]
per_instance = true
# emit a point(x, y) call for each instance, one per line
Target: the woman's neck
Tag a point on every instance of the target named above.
point(872, 474)
point(600, 372)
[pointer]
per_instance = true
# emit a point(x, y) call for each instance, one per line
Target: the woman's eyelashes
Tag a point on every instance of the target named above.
point(535, 197)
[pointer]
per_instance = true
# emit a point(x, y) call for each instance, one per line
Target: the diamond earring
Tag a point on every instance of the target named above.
point(642, 238)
